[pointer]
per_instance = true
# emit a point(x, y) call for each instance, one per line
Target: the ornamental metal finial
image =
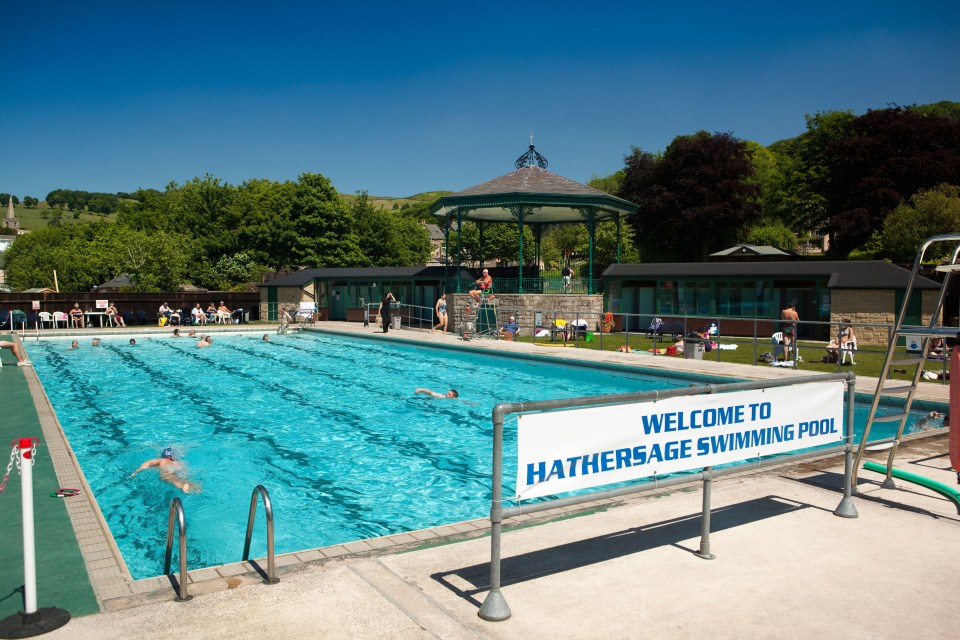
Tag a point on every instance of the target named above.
point(531, 157)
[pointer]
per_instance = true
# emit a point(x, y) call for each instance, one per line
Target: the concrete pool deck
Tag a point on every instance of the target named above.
point(618, 568)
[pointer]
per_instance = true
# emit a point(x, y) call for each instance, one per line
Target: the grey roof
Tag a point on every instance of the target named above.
point(548, 196)
point(305, 276)
point(841, 274)
point(436, 233)
point(117, 282)
point(752, 250)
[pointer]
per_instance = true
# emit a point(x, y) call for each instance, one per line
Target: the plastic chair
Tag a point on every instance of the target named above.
point(60, 316)
point(779, 349)
point(46, 318)
point(559, 326)
point(847, 349)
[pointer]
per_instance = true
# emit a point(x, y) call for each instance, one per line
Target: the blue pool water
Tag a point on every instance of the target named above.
point(328, 425)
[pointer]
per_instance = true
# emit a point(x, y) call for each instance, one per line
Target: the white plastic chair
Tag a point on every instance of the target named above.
point(847, 349)
point(60, 316)
point(45, 318)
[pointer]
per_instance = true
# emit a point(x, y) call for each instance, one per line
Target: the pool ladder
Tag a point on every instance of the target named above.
point(177, 516)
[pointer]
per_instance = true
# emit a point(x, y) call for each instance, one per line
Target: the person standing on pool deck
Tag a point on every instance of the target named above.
point(384, 311)
point(441, 310)
point(439, 396)
point(789, 328)
point(169, 470)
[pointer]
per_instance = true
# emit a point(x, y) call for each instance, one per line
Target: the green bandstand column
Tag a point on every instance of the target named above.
point(617, 220)
point(459, 246)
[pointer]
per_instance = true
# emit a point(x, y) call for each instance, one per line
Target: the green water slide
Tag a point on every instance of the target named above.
point(944, 490)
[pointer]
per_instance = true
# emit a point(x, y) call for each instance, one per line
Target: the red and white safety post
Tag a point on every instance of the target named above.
point(31, 621)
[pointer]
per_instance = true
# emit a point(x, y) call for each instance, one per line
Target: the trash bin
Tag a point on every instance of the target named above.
point(693, 348)
point(396, 323)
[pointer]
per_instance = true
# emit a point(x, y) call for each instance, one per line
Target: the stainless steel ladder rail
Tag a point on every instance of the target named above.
point(931, 331)
point(271, 577)
point(176, 511)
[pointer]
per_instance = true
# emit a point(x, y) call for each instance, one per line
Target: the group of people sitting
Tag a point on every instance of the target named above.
point(78, 316)
point(219, 314)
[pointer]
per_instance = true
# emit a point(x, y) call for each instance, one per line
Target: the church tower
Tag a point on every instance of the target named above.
point(11, 222)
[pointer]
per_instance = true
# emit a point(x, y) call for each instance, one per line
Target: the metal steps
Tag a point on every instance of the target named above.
point(927, 334)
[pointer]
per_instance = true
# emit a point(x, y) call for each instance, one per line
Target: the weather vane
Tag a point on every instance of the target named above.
point(531, 157)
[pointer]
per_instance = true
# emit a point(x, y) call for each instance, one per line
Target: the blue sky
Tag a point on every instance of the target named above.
point(397, 99)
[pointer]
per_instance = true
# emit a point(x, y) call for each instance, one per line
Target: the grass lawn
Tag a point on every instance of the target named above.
point(869, 358)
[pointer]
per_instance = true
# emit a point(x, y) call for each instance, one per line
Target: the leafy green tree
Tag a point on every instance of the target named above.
point(5, 198)
point(30, 203)
point(694, 198)
point(325, 236)
point(798, 196)
point(930, 212)
point(774, 234)
point(387, 238)
point(610, 184)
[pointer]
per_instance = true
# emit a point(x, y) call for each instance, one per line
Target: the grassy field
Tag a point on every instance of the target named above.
point(869, 359)
point(32, 219)
point(41, 216)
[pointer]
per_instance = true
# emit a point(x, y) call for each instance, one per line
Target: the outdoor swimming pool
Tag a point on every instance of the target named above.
point(328, 425)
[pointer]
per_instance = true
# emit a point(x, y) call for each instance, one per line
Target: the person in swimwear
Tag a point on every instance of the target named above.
point(452, 393)
point(441, 309)
point(484, 285)
point(169, 468)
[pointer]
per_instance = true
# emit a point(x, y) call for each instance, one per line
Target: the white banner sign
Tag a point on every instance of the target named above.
point(576, 449)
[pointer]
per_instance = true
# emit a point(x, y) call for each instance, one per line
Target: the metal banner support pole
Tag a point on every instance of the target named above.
point(704, 551)
point(495, 607)
point(847, 508)
point(31, 621)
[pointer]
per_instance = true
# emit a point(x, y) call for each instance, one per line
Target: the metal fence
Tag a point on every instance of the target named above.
point(495, 607)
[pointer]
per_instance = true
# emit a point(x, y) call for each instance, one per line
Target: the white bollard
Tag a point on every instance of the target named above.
point(30, 621)
point(29, 549)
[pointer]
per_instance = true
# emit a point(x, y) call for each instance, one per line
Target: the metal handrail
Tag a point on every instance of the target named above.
point(268, 510)
point(176, 509)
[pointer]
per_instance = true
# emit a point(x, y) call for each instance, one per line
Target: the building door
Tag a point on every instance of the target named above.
point(808, 308)
point(646, 307)
point(339, 297)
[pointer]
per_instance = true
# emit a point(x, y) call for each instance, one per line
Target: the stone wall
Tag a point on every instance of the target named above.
point(287, 297)
point(524, 308)
point(874, 307)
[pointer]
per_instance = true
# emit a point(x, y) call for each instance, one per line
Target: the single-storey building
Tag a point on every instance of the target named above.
point(340, 293)
point(869, 292)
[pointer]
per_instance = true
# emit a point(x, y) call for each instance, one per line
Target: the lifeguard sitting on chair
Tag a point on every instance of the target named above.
point(484, 286)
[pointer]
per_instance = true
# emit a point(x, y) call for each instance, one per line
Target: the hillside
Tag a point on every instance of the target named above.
point(42, 215)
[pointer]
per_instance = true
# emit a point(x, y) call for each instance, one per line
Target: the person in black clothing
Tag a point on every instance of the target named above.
point(567, 273)
point(384, 311)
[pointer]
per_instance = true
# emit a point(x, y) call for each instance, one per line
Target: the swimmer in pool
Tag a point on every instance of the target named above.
point(440, 396)
point(169, 469)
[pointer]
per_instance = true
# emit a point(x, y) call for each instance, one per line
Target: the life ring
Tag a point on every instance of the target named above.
point(65, 492)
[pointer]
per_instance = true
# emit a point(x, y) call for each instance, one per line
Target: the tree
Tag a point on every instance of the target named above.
point(930, 212)
point(797, 197)
point(693, 199)
point(30, 203)
point(889, 155)
point(774, 234)
point(388, 239)
point(324, 230)
point(5, 198)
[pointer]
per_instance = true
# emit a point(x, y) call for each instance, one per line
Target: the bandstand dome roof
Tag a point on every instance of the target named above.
point(544, 196)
